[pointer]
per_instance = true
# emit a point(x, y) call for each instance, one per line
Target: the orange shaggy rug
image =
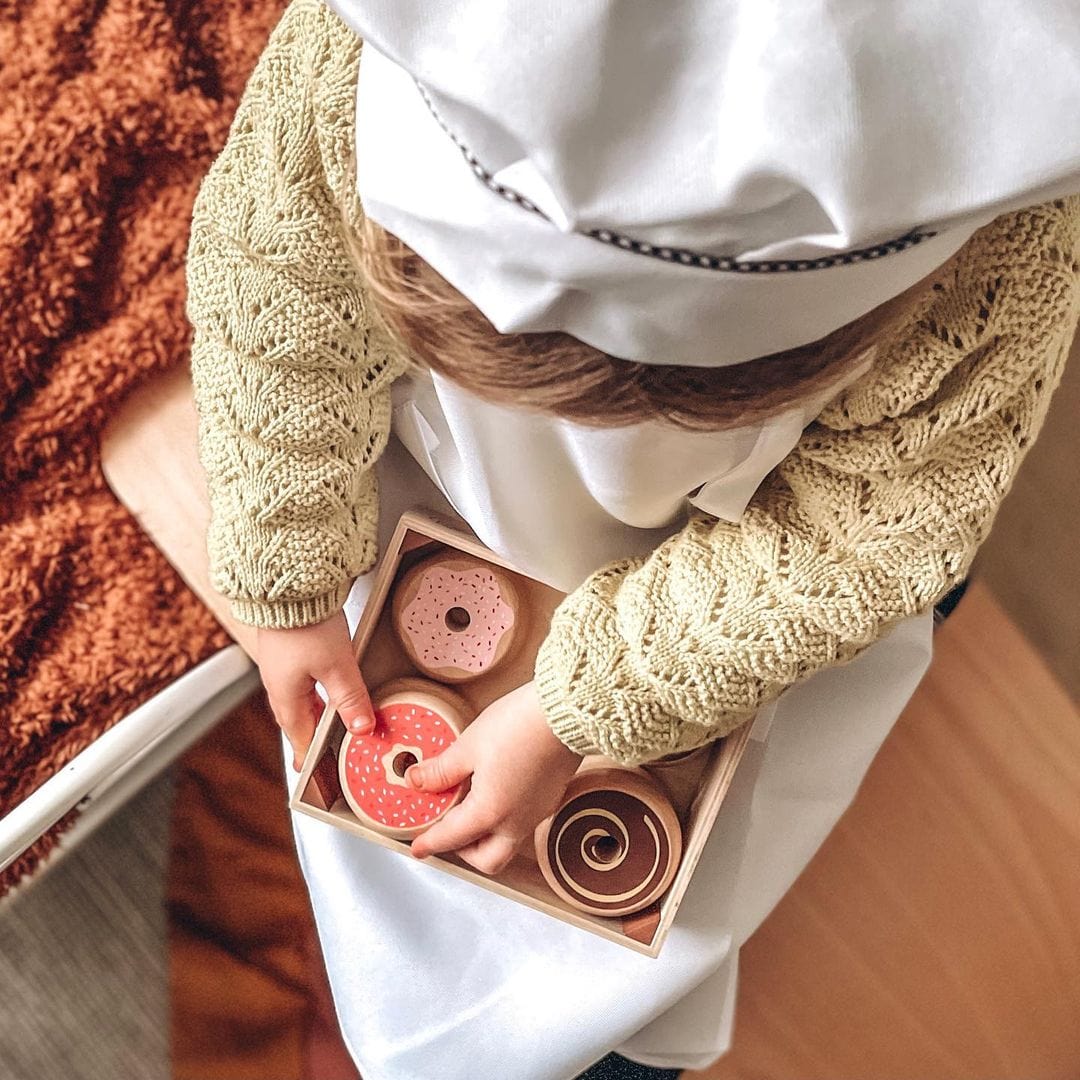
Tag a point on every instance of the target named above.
point(112, 112)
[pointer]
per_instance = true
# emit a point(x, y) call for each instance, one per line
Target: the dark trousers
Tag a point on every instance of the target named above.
point(614, 1067)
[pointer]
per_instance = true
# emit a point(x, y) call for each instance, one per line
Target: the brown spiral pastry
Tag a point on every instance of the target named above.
point(614, 844)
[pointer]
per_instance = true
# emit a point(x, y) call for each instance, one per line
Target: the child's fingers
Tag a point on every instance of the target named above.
point(491, 853)
point(460, 825)
point(442, 772)
point(348, 694)
point(295, 713)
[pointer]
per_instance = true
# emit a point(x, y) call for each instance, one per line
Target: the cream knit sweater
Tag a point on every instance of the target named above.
point(874, 515)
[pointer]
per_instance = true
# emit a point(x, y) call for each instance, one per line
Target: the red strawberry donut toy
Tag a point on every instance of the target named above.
point(613, 845)
point(458, 617)
point(414, 720)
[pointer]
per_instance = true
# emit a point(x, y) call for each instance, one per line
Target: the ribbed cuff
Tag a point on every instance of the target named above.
point(563, 719)
point(289, 614)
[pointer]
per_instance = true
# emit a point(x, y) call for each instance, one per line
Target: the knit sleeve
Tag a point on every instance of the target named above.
point(873, 517)
point(291, 381)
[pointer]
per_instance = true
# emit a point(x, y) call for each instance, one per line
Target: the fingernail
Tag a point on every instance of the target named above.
point(412, 776)
point(361, 724)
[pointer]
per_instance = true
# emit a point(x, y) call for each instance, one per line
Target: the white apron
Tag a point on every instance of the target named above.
point(434, 977)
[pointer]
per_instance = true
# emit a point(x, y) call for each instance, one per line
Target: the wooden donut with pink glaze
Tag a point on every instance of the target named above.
point(414, 721)
point(457, 616)
point(614, 844)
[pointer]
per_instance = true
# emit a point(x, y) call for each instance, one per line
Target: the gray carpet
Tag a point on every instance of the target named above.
point(83, 963)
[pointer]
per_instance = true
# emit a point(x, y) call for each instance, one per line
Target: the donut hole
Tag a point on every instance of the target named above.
point(457, 619)
point(605, 849)
point(403, 760)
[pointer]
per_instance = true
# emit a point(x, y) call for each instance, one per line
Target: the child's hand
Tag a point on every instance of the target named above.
point(519, 772)
point(290, 661)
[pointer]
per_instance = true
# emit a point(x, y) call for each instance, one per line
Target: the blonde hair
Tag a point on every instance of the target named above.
point(555, 373)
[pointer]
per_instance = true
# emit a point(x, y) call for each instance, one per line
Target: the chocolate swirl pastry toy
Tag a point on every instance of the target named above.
point(457, 616)
point(614, 844)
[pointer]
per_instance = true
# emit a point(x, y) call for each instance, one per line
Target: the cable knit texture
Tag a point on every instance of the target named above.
point(874, 515)
point(291, 383)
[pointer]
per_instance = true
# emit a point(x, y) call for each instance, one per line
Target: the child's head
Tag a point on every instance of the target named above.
point(556, 373)
point(760, 199)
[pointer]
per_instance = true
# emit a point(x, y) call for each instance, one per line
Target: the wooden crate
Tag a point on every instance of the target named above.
point(696, 783)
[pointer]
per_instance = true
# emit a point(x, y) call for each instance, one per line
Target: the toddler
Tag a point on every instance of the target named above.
point(750, 398)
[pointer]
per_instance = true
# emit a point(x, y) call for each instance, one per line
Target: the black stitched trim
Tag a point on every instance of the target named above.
point(724, 263)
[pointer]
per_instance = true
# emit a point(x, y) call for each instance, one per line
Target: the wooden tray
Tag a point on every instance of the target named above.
point(696, 783)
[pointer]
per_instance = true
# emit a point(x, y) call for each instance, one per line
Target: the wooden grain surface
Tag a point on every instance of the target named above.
point(1030, 560)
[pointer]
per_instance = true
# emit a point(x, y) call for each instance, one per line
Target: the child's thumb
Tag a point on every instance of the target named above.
point(349, 696)
point(440, 773)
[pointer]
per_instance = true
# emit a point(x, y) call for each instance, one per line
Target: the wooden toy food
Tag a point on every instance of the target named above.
point(457, 616)
point(614, 844)
point(694, 782)
point(414, 721)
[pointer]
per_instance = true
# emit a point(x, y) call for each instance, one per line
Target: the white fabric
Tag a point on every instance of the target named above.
point(433, 976)
point(751, 129)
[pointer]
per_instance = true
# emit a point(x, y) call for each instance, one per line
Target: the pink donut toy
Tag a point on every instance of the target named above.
point(457, 616)
point(414, 721)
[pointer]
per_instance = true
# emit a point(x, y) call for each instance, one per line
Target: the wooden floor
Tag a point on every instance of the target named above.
point(1030, 560)
point(936, 934)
